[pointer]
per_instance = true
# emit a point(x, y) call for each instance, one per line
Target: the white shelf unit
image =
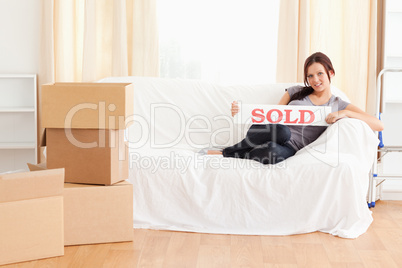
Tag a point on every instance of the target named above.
point(390, 173)
point(391, 106)
point(18, 121)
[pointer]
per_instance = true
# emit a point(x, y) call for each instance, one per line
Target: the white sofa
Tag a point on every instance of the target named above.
point(177, 187)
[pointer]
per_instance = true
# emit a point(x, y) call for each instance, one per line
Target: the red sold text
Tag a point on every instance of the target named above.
point(276, 116)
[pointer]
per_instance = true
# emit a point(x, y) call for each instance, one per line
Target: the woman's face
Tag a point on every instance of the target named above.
point(317, 77)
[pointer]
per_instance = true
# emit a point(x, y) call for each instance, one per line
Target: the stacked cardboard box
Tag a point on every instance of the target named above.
point(95, 213)
point(31, 215)
point(89, 156)
point(85, 125)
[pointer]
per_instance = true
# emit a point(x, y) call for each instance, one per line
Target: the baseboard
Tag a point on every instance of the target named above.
point(388, 194)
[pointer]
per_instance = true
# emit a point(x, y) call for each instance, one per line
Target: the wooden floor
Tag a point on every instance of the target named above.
point(380, 246)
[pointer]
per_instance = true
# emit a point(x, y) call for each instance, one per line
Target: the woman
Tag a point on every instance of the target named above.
point(270, 144)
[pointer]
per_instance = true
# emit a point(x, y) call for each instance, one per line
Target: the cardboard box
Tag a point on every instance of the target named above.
point(87, 105)
point(89, 156)
point(98, 214)
point(31, 215)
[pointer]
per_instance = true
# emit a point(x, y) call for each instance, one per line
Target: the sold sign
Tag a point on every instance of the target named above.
point(282, 114)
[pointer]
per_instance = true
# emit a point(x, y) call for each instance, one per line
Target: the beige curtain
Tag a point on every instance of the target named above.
point(345, 30)
point(86, 40)
point(381, 17)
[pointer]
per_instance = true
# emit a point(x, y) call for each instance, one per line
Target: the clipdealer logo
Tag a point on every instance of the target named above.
point(146, 129)
point(105, 137)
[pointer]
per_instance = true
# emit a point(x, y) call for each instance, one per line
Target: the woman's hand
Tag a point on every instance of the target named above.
point(235, 108)
point(352, 111)
point(335, 116)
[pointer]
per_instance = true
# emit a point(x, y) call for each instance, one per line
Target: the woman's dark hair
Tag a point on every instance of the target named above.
point(318, 57)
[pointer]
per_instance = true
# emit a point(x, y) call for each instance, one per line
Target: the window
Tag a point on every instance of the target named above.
point(221, 41)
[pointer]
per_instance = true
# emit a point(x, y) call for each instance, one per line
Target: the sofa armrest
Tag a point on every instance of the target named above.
point(346, 138)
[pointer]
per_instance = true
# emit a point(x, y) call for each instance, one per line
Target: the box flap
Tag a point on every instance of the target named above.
point(81, 185)
point(33, 167)
point(42, 142)
point(84, 84)
point(30, 185)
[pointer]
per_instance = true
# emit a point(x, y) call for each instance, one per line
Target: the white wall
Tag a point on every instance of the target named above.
point(19, 36)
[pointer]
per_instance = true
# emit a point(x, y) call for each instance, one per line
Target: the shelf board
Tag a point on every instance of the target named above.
point(17, 76)
point(17, 109)
point(394, 56)
point(393, 102)
point(17, 145)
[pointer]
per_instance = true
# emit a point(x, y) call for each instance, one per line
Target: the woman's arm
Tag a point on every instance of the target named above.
point(285, 99)
point(352, 111)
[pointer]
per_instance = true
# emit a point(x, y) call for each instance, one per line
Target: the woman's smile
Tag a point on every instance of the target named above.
point(317, 85)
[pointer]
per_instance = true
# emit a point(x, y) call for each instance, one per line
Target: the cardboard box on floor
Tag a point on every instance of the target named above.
point(96, 214)
point(31, 215)
point(87, 105)
point(89, 156)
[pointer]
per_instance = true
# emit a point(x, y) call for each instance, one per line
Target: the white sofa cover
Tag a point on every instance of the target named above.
point(177, 187)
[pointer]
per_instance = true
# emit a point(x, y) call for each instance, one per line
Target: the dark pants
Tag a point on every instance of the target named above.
point(267, 144)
